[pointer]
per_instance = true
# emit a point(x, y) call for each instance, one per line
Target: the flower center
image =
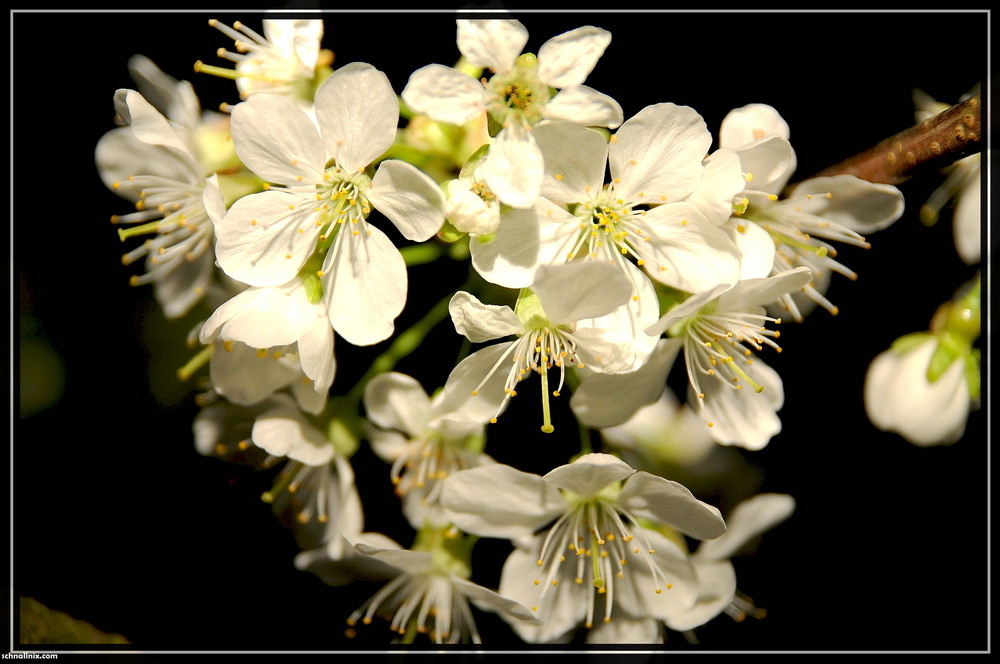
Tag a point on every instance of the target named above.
point(426, 462)
point(260, 67)
point(518, 95)
point(342, 200)
point(602, 545)
point(538, 350)
point(302, 491)
point(610, 227)
point(716, 343)
point(175, 211)
point(802, 239)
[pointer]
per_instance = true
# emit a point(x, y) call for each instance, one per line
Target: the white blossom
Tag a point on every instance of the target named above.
point(639, 218)
point(591, 507)
point(517, 95)
point(576, 315)
point(900, 397)
point(266, 239)
point(424, 444)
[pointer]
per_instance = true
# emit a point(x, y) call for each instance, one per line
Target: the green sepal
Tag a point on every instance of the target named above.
point(950, 348)
point(972, 377)
point(668, 297)
point(492, 126)
point(529, 310)
point(235, 186)
point(449, 233)
point(450, 549)
point(344, 425)
point(908, 342)
point(486, 238)
point(309, 276)
point(476, 158)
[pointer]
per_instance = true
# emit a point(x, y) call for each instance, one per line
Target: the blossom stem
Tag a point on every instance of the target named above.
point(951, 134)
point(421, 254)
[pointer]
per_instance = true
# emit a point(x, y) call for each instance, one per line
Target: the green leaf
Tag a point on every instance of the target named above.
point(40, 624)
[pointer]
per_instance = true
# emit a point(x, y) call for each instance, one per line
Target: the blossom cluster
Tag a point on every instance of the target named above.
point(604, 251)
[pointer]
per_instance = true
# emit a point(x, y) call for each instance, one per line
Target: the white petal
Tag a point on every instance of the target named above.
point(339, 563)
point(743, 418)
point(584, 106)
point(568, 59)
point(747, 520)
point(770, 161)
point(525, 239)
point(258, 241)
point(575, 160)
point(245, 378)
point(299, 38)
point(445, 94)
point(687, 252)
point(588, 474)
point(514, 167)
point(387, 445)
point(623, 629)
point(558, 613)
point(310, 396)
point(358, 113)
point(185, 285)
point(283, 431)
point(760, 292)
point(968, 222)
point(659, 152)
point(409, 198)
point(467, 377)
point(625, 327)
point(277, 141)
point(265, 317)
point(119, 154)
point(487, 600)
point(482, 322)
point(174, 99)
point(664, 501)
point(899, 398)
point(864, 207)
point(492, 43)
point(500, 501)
point(635, 592)
point(717, 588)
point(606, 400)
point(148, 124)
point(686, 308)
point(316, 354)
point(721, 181)
point(365, 287)
point(584, 289)
point(397, 401)
point(751, 123)
point(756, 247)
point(405, 560)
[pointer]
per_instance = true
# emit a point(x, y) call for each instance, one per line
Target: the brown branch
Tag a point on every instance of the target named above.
point(951, 134)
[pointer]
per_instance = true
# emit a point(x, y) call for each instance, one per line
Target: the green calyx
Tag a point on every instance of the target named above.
point(529, 310)
point(310, 277)
point(343, 425)
point(451, 550)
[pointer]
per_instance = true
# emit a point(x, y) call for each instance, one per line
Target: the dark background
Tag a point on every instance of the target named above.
point(118, 521)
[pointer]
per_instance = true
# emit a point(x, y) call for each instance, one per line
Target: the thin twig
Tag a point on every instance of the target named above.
point(941, 139)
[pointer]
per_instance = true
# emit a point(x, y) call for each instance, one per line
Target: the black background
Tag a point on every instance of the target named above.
point(118, 521)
